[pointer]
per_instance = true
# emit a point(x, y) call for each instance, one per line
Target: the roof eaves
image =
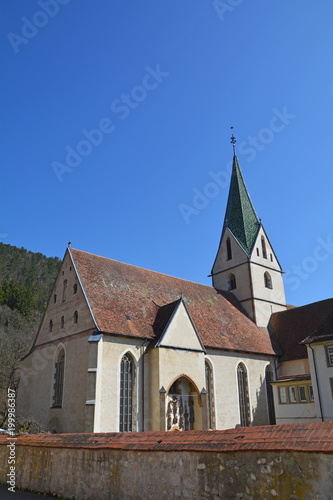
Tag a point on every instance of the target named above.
point(83, 290)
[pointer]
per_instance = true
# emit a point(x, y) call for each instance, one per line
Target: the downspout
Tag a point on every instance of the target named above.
point(143, 390)
point(143, 384)
point(317, 385)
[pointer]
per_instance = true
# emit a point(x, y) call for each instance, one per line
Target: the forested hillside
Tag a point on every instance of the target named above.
point(26, 281)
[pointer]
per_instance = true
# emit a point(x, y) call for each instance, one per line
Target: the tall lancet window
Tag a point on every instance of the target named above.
point(126, 393)
point(243, 395)
point(58, 387)
point(270, 400)
point(229, 253)
point(263, 246)
point(209, 388)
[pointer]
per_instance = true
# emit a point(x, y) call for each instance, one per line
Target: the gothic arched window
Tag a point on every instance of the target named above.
point(58, 387)
point(268, 280)
point(243, 395)
point(126, 393)
point(269, 391)
point(229, 253)
point(231, 282)
point(263, 246)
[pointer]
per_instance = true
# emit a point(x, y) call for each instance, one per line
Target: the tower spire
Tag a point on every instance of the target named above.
point(233, 141)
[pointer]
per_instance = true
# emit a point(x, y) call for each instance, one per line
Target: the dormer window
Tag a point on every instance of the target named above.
point(229, 253)
point(268, 280)
point(263, 246)
point(75, 289)
point(231, 282)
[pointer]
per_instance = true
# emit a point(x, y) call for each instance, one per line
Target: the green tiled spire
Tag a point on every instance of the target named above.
point(240, 216)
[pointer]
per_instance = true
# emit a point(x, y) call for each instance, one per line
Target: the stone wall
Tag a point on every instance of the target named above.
point(287, 462)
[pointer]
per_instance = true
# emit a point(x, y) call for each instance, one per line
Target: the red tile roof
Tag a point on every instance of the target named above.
point(125, 300)
point(291, 378)
point(292, 326)
point(314, 437)
point(324, 331)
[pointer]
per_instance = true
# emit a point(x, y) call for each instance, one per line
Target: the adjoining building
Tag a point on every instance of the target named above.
point(121, 348)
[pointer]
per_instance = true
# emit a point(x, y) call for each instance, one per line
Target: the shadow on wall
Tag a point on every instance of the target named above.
point(262, 414)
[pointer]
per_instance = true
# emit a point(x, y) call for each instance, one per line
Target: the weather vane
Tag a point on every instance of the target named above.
point(233, 140)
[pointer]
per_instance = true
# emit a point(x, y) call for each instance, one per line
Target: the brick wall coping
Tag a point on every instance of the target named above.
point(304, 437)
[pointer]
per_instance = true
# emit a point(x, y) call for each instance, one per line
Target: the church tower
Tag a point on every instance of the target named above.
point(245, 262)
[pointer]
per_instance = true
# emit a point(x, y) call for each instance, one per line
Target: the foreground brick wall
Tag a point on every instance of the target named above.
point(289, 462)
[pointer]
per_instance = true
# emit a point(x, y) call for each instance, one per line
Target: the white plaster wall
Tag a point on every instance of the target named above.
point(276, 294)
point(110, 352)
point(264, 310)
point(272, 264)
point(238, 254)
point(238, 266)
point(226, 387)
point(295, 367)
point(324, 373)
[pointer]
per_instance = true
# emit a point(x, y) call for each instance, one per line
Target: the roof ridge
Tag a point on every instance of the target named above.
point(296, 308)
point(143, 268)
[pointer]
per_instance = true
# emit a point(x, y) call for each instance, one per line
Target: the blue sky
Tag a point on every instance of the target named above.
point(116, 120)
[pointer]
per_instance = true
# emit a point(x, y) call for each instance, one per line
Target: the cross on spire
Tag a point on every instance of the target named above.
point(233, 140)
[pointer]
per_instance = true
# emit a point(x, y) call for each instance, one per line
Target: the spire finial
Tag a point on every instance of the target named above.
point(233, 140)
point(69, 244)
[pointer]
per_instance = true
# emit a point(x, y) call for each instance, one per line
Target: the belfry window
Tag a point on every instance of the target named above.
point(229, 253)
point(268, 280)
point(243, 396)
point(58, 386)
point(231, 282)
point(126, 396)
point(263, 246)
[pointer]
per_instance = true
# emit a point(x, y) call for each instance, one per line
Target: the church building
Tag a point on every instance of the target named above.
point(121, 348)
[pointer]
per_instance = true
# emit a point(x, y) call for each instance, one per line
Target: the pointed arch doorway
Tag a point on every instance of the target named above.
point(184, 406)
